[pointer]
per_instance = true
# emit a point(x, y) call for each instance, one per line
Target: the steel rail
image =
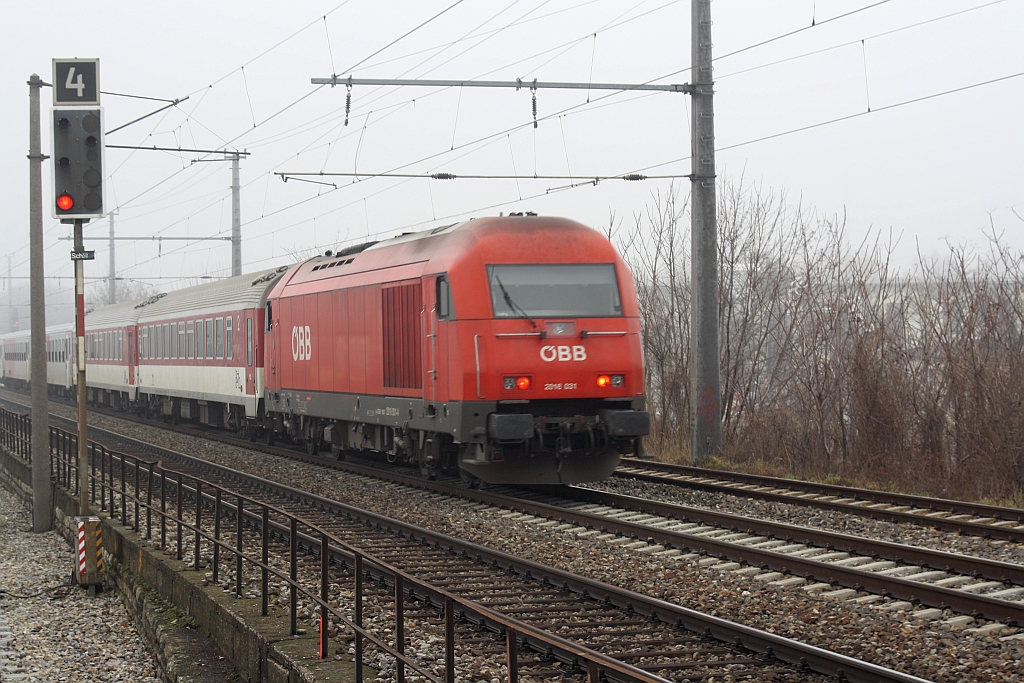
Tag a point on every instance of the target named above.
point(631, 468)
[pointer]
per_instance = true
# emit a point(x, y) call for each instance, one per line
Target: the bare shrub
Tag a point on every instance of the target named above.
point(834, 364)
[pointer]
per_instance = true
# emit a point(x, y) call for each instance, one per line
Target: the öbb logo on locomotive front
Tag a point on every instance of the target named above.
point(563, 353)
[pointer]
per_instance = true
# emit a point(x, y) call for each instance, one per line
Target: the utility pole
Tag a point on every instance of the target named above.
point(42, 492)
point(236, 219)
point(706, 425)
point(111, 288)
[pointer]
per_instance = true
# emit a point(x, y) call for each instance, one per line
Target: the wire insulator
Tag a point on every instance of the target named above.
point(634, 176)
point(534, 108)
point(348, 103)
point(443, 176)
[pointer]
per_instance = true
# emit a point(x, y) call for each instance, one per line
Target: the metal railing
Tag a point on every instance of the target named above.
point(151, 498)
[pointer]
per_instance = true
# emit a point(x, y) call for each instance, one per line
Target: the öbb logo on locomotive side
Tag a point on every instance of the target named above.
point(302, 348)
point(563, 353)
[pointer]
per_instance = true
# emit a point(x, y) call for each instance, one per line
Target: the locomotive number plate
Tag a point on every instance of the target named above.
point(560, 386)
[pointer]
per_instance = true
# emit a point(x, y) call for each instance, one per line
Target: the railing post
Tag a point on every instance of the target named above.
point(216, 537)
point(238, 549)
point(449, 640)
point(325, 565)
point(149, 503)
point(512, 655)
point(92, 476)
point(177, 520)
point(400, 626)
point(110, 468)
point(293, 574)
point(265, 574)
point(199, 523)
point(163, 508)
point(135, 496)
point(358, 569)
point(124, 489)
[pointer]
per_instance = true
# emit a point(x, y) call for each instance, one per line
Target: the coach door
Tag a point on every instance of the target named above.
point(132, 358)
point(250, 356)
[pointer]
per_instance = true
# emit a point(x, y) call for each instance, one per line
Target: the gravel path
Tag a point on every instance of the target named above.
point(890, 639)
point(60, 634)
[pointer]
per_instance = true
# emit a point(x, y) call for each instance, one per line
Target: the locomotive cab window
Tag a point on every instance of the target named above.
point(577, 290)
point(445, 306)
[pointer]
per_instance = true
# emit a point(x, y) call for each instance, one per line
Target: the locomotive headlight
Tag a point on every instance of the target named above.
point(606, 381)
point(617, 380)
point(510, 382)
point(522, 383)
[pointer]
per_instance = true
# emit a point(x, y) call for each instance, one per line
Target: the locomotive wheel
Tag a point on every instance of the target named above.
point(428, 472)
point(337, 453)
point(313, 446)
point(468, 480)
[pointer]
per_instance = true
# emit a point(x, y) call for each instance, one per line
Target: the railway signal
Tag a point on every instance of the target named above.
point(78, 162)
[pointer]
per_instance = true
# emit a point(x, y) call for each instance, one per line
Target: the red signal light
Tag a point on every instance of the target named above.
point(604, 381)
point(523, 383)
point(65, 202)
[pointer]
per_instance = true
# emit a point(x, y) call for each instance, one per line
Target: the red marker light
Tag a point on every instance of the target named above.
point(523, 383)
point(65, 202)
point(604, 381)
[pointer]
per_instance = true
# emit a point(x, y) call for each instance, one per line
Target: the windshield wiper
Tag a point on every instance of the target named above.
point(512, 304)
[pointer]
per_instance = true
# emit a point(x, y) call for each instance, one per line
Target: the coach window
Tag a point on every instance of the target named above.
point(248, 342)
point(269, 321)
point(159, 337)
point(174, 341)
point(190, 334)
point(181, 340)
point(120, 345)
point(167, 340)
point(445, 307)
point(209, 337)
point(219, 323)
point(229, 336)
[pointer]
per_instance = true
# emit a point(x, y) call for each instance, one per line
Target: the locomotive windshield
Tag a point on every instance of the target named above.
point(577, 290)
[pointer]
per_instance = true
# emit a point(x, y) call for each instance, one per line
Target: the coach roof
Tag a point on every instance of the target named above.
point(233, 293)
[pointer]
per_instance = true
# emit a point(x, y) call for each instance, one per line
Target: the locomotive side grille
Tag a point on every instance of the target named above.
point(400, 305)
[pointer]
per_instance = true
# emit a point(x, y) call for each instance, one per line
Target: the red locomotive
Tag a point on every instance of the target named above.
point(505, 348)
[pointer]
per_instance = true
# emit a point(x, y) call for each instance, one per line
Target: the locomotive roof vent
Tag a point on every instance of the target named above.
point(355, 248)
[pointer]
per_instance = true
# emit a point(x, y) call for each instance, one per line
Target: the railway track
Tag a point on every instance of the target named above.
point(836, 565)
point(988, 521)
point(652, 635)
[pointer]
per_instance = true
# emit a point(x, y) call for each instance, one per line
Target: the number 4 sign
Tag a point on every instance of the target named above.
point(76, 81)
